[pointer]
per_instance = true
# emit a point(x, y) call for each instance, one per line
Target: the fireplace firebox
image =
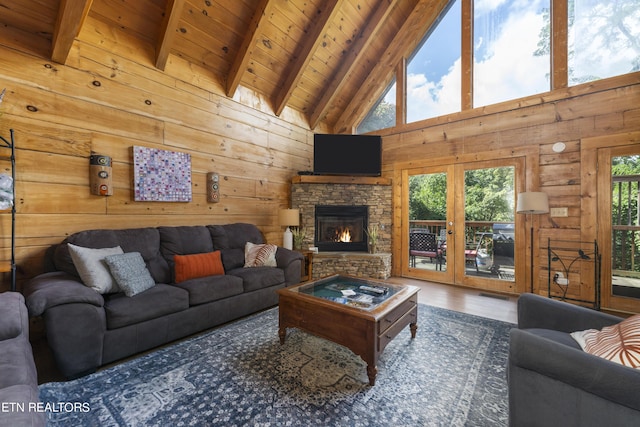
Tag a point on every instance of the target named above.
point(341, 228)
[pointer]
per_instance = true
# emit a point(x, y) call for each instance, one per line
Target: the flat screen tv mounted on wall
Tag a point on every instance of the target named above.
point(335, 154)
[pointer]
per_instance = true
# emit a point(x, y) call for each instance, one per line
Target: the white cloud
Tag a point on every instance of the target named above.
point(511, 70)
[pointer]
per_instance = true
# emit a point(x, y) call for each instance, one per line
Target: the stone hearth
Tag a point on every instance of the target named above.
point(376, 193)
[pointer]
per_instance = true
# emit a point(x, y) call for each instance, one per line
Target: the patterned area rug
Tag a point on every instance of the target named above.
point(451, 374)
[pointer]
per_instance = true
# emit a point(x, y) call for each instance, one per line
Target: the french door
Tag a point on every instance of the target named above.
point(619, 226)
point(468, 210)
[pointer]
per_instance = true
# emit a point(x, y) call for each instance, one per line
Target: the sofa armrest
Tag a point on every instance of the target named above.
point(592, 374)
point(291, 262)
point(52, 289)
point(284, 257)
point(536, 311)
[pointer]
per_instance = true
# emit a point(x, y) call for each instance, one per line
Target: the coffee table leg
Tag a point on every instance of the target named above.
point(414, 328)
point(372, 371)
point(282, 333)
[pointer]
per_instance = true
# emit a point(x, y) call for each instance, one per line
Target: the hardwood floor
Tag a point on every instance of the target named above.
point(465, 300)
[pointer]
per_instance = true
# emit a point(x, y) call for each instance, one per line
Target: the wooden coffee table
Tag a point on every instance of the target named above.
point(365, 322)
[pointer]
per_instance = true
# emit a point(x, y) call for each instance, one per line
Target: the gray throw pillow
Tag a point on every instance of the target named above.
point(130, 272)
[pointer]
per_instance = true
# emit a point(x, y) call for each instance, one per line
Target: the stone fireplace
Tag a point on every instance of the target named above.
point(337, 197)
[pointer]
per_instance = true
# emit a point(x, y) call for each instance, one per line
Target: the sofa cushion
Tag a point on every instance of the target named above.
point(260, 255)
point(130, 272)
point(16, 363)
point(258, 277)
point(155, 302)
point(143, 240)
point(197, 265)
point(184, 240)
point(231, 239)
point(211, 288)
point(24, 394)
point(11, 317)
point(619, 343)
point(92, 268)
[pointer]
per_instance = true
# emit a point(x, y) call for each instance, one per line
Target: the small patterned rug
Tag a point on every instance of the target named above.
point(452, 374)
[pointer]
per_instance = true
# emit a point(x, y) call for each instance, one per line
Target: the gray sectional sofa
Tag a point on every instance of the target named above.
point(18, 376)
point(86, 329)
point(553, 382)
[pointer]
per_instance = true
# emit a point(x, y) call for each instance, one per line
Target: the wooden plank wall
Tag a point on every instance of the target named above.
point(528, 127)
point(104, 103)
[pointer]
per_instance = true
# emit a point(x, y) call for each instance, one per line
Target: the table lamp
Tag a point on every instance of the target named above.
point(288, 218)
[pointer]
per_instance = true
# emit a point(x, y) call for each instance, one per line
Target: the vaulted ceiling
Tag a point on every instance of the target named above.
point(329, 59)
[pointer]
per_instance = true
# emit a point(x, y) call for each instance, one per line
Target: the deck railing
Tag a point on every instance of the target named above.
point(626, 226)
point(474, 230)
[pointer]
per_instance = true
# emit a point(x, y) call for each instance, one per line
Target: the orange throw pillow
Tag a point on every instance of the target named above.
point(197, 265)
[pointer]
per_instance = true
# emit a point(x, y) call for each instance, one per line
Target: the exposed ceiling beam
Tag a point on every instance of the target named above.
point(261, 15)
point(172, 14)
point(303, 57)
point(407, 39)
point(350, 61)
point(71, 16)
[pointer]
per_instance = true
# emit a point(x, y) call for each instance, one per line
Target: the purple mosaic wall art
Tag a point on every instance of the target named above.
point(161, 175)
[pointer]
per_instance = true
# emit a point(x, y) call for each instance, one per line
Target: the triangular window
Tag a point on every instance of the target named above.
point(383, 113)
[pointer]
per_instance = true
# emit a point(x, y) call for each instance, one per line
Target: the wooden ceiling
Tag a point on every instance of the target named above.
point(329, 59)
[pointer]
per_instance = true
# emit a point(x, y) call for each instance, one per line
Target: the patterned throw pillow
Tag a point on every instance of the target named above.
point(260, 255)
point(130, 272)
point(197, 265)
point(619, 343)
point(92, 269)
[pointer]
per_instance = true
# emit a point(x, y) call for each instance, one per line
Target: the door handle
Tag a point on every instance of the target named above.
point(450, 232)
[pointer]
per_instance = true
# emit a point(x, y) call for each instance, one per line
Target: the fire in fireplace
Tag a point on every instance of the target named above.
point(341, 228)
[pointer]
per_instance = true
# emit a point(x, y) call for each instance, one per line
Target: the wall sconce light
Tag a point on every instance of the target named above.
point(100, 175)
point(288, 218)
point(532, 203)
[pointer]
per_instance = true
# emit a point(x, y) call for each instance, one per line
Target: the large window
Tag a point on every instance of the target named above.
point(604, 39)
point(383, 114)
point(433, 73)
point(511, 54)
point(507, 62)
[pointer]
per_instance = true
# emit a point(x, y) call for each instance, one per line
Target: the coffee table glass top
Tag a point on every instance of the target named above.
point(354, 292)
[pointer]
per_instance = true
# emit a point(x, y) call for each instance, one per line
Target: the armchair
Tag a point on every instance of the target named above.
point(552, 382)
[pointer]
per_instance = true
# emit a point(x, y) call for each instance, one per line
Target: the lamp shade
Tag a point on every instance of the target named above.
point(289, 217)
point(532, 202)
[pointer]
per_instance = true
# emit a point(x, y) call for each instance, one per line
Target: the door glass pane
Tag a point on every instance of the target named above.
point(625, 230)
point(427, 221)
point(489, 223)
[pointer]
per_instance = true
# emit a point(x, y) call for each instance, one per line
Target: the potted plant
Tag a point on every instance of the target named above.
point(299, 234)
point(373, 234)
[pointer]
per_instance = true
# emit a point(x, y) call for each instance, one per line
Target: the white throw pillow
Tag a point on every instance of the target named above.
point(260, 255)
point(92, 268)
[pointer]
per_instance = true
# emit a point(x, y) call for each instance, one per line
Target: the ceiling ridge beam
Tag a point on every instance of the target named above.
point(311, 41)
point(71, 16)
point(423, 15)
point(364, 40)
point(172, 15)
point(263, 10)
